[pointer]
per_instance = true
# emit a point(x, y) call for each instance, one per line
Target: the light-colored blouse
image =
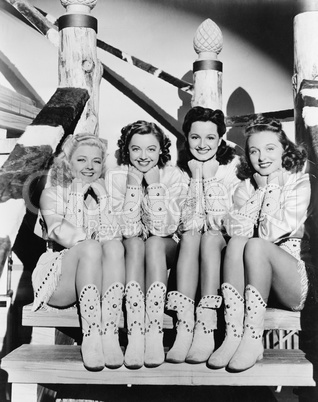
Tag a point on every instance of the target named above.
point(145, 210)
point(209, 200)
point(275, 212)
point(69, 218)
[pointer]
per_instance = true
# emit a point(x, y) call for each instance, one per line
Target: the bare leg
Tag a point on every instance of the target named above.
point(233, 291)
point(160, 254)
point(274, 268)
point(113, 263)
point(81, 265)
point(135, 261)
point(82, 277)
point(112, 298)
point(266, 266)
point(212, 244)
point(211, 248)
point(188, 264)
point(233, 268)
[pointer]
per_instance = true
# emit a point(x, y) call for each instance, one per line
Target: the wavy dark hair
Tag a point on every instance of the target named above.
point(293, 157)
point(142, 127)
point(61, 174)
point(224, 154)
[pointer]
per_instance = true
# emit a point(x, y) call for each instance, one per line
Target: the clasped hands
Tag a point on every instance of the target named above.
point(203, 170)
point(135, 176)
point(278, 178)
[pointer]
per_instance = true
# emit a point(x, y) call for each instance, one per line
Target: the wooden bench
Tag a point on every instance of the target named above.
point(49, 365)
point(30, 365)
point(274, 318)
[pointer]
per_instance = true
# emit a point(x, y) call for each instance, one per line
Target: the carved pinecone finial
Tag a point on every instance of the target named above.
point(88, 3)
point(208, 38)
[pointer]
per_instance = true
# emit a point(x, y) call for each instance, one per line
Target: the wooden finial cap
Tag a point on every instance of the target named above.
point(208, 38)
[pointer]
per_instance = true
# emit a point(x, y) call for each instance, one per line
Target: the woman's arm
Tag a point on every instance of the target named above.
point(218, 193)
point(125, 201)
point(244, 214)
point(63, 212)
point(285, 206)
point(161, 206)
point(193, 208)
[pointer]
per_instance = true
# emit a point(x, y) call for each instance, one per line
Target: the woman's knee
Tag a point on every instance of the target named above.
point(134, 246)
point(90, 249)
point(212, 239)
point(237, 243)
point(113, 249)
point(255, 248)
point(155, 244)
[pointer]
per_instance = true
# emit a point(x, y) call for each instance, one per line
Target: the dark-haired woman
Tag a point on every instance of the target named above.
point(211, 165)
point(269, 234)
point(147, 193)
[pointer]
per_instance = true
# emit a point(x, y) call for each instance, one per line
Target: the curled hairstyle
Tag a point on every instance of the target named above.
point(293, 157)
point(61, 174)
point(142, 127)
point(224, 154)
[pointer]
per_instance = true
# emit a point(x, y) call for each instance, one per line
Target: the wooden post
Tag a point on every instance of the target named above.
point(305, 47)
point(305, 83)
point(78, 63)
point(207, 69)
point(305, 79)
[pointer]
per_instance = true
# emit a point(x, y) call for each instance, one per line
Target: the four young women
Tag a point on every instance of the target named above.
point(121, 232)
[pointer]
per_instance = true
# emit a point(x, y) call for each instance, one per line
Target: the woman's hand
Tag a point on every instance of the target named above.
point(196, 168)
point(261, 181)
point(210, 168)
point(134, 176)
point(279, 177)
point(152, 176)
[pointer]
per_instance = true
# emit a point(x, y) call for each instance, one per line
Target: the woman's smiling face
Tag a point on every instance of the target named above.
point(144, 151)
point(203, 140)
point(265, 152)
point(86, 163)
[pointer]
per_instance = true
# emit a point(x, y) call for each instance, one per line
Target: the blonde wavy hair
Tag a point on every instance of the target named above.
point(61, 174)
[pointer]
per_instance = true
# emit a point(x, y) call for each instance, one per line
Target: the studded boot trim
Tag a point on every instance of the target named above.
point(135, 306)
point(180, 303)
point(155, 300)
point(112, 307)
point(89, 301)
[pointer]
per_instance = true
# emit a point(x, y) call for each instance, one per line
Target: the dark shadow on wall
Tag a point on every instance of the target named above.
point(267, 25)
point(239, 103)
point(185, 106)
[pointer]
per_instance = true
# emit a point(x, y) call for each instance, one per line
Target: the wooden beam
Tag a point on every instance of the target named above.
point(16, 103)
point(148, 105)
point(18, 82)
point(238, 121)
point(11, 121)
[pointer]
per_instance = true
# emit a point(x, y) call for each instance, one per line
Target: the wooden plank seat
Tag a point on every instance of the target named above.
point(30, 365)
point(274, 318)
point(53, 365)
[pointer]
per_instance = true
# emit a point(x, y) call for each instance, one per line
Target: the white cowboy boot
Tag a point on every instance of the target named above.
point(111, 313)
point(135, 307)
point(206, 322)
point(90, 311)
point(184, 306)
point(251, 347)
point(234, 317)
point(155, 301)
